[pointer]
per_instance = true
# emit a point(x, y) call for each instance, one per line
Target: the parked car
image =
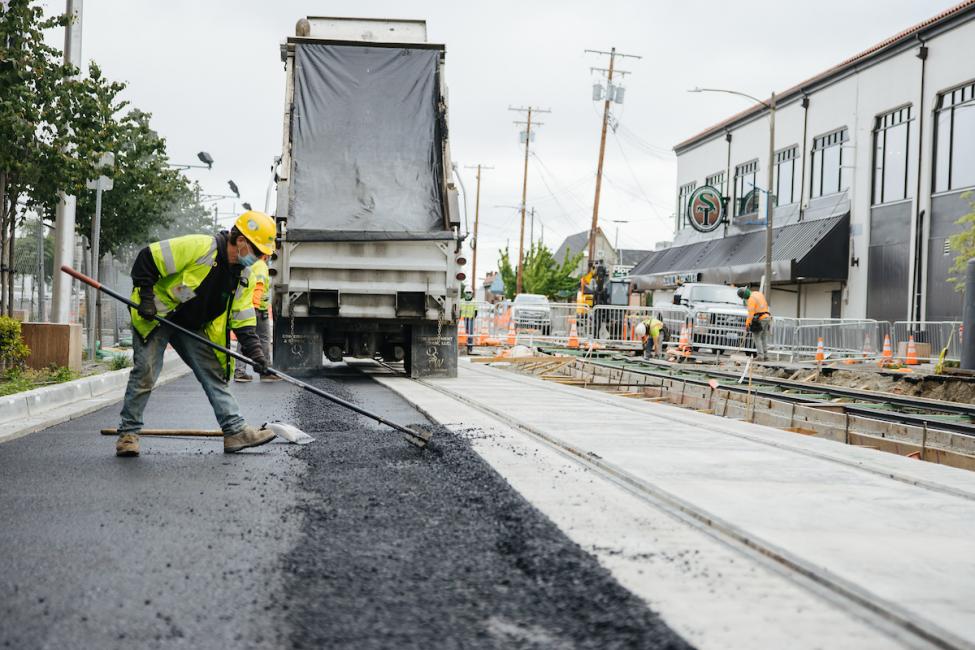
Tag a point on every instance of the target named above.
point(714, 311)
point(532, 311)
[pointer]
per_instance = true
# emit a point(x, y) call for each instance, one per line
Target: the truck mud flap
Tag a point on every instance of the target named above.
point(297, 348)
point(433, 355)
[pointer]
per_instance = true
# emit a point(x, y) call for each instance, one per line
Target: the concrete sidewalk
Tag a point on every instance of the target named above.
point(33, 410)
point(825, 506)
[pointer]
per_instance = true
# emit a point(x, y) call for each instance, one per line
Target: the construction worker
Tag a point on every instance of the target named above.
point(651, 331)
point(468, 311)
point(195, 281)
point(759, 320)
point(258, 274)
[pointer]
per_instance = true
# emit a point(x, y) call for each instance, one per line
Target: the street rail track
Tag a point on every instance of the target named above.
point(902, 625)
point(955, 417)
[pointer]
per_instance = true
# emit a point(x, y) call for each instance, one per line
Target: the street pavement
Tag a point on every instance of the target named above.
point(357, 540)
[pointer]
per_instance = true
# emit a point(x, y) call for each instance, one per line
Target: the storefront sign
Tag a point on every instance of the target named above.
point(705, 209)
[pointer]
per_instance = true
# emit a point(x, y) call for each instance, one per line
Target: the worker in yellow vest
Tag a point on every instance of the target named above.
point(468, 311)
point(652, 333)
point(195, 281)
point(259, 276)
point(759, 320)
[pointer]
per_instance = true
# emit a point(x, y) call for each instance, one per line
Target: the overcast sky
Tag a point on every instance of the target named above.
point(210, 73)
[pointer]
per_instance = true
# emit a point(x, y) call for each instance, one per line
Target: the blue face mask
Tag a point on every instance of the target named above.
point(246, 259)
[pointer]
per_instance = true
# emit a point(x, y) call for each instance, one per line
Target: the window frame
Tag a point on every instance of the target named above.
point(837, 137)
point(716, 176)
point(780, 158)
point(939, 108)
point(742, 172)
point(883, 123)
point(683, 194)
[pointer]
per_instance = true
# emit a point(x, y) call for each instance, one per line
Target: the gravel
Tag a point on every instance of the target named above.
point(409, 548)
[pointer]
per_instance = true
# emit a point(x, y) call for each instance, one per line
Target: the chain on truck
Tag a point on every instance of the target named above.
point(369, 258)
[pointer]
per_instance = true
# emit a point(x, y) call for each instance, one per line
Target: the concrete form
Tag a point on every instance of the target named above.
point(854, 535)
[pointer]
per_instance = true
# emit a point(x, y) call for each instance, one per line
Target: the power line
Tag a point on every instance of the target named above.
point(528, 110)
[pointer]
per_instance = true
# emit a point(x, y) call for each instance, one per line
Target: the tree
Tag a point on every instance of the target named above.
point(542, 274)
point(35, 88)
point(963, 244)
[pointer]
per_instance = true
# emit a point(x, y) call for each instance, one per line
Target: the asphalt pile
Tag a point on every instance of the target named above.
point(403, 547)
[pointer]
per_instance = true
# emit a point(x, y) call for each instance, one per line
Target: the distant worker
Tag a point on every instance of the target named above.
point(652, 332)
point(258, 274)
point(759, 320)
point(468, 311)
point(195, 281)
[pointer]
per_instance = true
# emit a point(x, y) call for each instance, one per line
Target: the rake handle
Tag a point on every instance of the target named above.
point(81, 277)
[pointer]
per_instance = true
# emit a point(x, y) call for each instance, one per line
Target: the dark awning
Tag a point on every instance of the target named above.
point(816, 250)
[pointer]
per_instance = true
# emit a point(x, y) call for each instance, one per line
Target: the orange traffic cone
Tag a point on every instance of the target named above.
point(911, 352)
point(462, 333)
point(683, 345)
point(887, 356)
point(512, 335)
point(573, 343)
point(479, 336)
point(820, 352)
point(867, 346)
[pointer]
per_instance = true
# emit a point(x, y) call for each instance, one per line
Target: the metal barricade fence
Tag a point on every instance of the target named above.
point(841, 337)
point(930, 337)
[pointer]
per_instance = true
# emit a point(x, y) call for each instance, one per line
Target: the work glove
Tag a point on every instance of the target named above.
point(147, 303)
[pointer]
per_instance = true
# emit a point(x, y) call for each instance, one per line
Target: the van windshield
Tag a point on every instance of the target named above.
point(716, 293)
point(530, 298)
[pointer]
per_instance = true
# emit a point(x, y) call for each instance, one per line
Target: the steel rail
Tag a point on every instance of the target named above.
point(931, 420)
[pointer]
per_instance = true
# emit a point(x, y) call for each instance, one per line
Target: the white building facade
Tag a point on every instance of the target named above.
point(872, 161)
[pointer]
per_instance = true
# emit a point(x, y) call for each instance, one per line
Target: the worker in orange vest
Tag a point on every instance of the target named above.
point(759, 319)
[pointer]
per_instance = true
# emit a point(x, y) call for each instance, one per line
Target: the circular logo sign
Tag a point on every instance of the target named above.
point(704, 209)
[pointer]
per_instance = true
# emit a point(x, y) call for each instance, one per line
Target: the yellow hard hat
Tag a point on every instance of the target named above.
point(259, 230)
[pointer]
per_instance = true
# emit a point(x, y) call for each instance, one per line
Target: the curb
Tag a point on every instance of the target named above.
point(34, 410)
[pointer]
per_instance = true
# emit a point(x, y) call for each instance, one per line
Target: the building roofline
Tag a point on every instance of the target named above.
point(962, 11)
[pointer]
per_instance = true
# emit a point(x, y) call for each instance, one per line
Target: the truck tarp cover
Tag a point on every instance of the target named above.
point(366, 143)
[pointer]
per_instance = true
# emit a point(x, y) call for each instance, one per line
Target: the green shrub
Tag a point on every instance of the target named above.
point(13, 350)
point(120, 361)
point(60, 374)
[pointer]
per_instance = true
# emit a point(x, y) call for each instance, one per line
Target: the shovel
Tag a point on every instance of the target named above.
point(415, 434)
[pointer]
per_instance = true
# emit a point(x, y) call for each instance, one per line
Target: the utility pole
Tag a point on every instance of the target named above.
point(477, 220)
point(612, 94)
point(64, 220)
point(531, 236)
point(524, 185)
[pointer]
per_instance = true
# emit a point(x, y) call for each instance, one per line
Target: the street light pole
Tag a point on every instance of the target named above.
point(101, 184)
point(770, 105)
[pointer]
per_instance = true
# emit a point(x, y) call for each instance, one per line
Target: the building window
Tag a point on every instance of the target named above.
point(954, 159)
point(784, 187)
point(746, 196)
point(716, 181)
point(893, 171)
point(683, 195)
point(827, 164)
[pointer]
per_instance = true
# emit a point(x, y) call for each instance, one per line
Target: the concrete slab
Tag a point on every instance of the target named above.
point(894, 531)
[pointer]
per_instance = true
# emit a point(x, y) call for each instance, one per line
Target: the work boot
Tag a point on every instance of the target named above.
point(242, 378)
point(270, 376)
point(246, 437)
point(127, 445)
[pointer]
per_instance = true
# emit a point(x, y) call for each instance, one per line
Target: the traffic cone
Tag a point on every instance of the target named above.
point(820, 352)
point(911, 352)
point(462, 333)
point(573, 343)
point(512, 335)
point(683, 345)
point(887, 356)
point(479, 337)
point(867, 346)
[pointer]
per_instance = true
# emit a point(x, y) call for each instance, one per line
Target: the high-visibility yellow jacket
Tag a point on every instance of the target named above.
point(183, 263)
point(468, 309)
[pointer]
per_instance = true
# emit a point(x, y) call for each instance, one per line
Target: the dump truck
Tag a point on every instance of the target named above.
point(369, 260)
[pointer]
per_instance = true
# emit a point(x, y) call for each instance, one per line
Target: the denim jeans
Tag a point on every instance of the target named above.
point(264, 334)
point(147, 362)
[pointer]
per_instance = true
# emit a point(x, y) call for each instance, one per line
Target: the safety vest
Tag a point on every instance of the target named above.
point(757, 306)
point(653, 326)
point(468, 310)
point(183, 263)
point(259, 273)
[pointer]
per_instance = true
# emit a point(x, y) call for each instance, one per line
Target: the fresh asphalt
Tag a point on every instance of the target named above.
point(357, 540)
